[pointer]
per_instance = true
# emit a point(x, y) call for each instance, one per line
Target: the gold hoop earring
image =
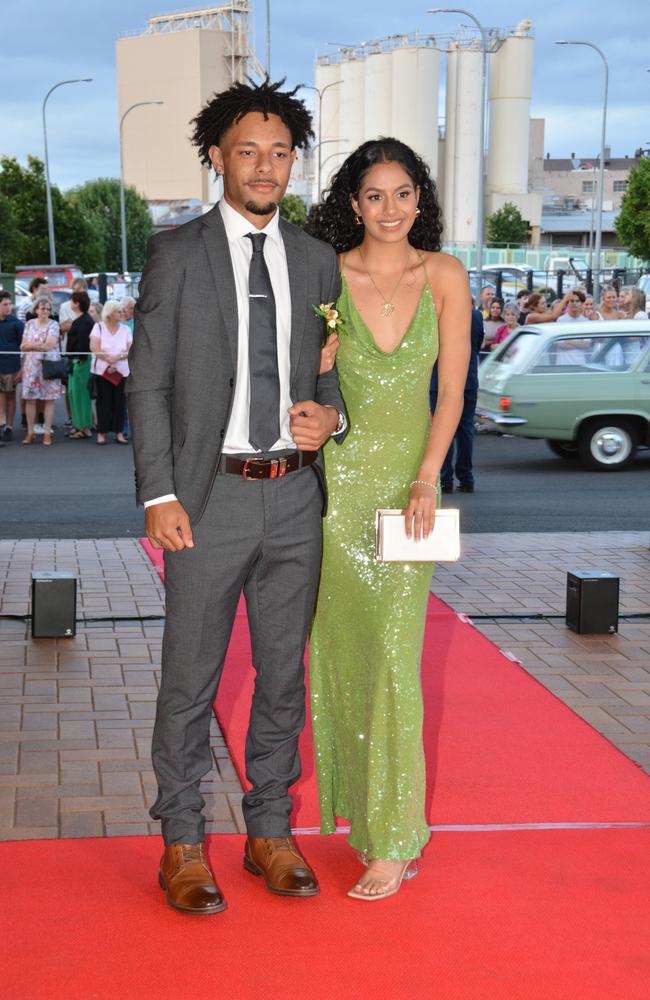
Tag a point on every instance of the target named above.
point(358, 220)
point(417, 211)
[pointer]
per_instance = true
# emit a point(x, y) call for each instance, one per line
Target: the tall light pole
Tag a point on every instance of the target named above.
point(320, 92)
point(601, 171)
point(48, 190)
point(138, 104)
point(268, 38)
point(480, 222)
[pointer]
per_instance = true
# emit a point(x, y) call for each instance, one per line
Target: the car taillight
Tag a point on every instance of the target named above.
point(504, 403)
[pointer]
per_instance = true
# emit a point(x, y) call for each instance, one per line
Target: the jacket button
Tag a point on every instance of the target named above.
point(222, 432)
point(232, 382)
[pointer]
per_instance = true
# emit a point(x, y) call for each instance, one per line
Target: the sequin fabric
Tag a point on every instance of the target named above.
point(367, 636)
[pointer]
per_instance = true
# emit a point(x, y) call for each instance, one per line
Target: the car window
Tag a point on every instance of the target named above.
point(518, 351)
point(590, 354)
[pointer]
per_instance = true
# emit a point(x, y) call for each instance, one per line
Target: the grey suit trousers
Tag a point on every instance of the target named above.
point(262, 537)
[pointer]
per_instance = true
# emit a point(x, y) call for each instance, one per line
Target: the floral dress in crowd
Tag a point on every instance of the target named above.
point(34, 385)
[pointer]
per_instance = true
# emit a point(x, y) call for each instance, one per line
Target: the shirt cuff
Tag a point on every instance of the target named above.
point(167, 497)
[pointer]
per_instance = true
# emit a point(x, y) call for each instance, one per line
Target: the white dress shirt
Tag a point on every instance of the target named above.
point(241, 250)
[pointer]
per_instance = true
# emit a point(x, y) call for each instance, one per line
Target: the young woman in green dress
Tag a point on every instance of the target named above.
point(403, 305)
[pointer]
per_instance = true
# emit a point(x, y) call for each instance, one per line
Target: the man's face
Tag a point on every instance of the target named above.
point(523, 302)
point(486, 297)
point(5, 308)
point(575, 307)
point(255, 158)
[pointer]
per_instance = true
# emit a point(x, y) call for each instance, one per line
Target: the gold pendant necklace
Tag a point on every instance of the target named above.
point(388, 307)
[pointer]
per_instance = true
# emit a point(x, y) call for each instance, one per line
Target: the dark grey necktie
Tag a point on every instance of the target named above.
point(264, 417)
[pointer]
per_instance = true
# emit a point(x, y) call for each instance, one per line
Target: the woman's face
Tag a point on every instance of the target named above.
point(511, 318)
point(43, 310)
point(387, 202)
point(495, 310)
point(609, 299)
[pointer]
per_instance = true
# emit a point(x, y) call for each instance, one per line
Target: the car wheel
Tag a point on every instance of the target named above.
point(607, 445)
point(564, 449)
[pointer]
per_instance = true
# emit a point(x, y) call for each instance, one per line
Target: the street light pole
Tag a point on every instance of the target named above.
point(320, 92)
point(268, 38)
point(480, 222)
point(601, 171)
point(138, 104)
point(48, 189)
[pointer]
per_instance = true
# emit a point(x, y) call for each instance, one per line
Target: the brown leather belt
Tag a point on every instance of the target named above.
point(267, 468)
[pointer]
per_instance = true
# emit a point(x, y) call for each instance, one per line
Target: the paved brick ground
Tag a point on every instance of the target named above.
point(76, 714)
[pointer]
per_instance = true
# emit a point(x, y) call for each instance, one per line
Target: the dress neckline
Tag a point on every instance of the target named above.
point(416, 312)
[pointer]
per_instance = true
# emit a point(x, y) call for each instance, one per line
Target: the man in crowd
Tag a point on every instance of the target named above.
point(487, 294)
point(458, 459)
point(11, 334)
point(37, 286)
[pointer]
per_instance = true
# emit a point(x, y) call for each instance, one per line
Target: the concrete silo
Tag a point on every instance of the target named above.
point(510, 88)
point(462, 140)
point(351, 96)
point(378, 95)
point(415, 99)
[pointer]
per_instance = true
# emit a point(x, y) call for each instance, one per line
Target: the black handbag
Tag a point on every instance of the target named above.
point(60, 368)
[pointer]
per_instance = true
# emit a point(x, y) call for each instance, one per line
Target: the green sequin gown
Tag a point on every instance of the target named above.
point(366, 642)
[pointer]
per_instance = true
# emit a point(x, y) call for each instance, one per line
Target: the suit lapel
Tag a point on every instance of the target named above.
point(296, 253)
point(216, 245)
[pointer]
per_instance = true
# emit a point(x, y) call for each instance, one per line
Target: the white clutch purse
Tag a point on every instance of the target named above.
point(442, 545)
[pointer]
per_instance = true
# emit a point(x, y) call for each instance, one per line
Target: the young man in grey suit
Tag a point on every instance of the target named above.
point(228, 414)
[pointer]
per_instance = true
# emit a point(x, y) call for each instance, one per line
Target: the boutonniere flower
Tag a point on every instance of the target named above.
point(330, 316)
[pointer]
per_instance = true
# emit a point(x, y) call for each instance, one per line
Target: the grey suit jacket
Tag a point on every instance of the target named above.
point(184, 354)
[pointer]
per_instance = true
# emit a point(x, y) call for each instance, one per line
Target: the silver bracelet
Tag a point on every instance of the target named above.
point(423, 482)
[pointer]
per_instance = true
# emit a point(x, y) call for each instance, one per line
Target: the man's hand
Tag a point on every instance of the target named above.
point(168, 526)
point(312, 424)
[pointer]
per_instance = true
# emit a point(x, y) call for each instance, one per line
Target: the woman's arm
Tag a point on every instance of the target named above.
point(552, 313)
point(454, 320)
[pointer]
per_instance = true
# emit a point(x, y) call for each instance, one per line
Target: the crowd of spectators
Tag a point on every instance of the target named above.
point(80, 356)
point(501, 317)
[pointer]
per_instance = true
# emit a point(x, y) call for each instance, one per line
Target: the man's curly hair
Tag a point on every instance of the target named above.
point(334, 221)
point(226, 108)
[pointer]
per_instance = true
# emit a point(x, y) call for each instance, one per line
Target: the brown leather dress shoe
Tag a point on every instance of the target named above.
point(186, 877)
point(281, 864)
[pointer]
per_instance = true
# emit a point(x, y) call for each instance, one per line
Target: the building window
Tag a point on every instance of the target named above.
point(587, 187)
point(620, 185)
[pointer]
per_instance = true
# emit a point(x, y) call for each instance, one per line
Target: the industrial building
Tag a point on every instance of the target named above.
point(182, 60)
point(391, 87)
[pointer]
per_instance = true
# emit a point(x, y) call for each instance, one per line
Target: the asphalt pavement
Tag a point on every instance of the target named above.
point(78, 490)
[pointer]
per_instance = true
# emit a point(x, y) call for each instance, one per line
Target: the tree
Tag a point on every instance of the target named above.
point(506, 225)
point(633, 222)
point(99, 202)
point(9, 236)
point(24, 188)
point(292, 208)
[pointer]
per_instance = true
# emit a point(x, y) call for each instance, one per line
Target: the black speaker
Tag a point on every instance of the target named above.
point(592, 601)
point(54, 605)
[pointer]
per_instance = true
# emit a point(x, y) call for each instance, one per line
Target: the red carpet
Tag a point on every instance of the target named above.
point(556, 915)
point(500, 748)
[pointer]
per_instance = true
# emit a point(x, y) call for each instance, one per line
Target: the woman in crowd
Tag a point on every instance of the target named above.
point(608, 308)
point(540, 312)
point(589, 308)
point(403, 304)
point(492, 323)
point(110, 342)
point(40, 340)
point(506, 328)
point(635, 306)
point(79, 340)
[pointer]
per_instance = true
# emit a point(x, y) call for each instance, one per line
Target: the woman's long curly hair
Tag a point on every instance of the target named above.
point(333, 220)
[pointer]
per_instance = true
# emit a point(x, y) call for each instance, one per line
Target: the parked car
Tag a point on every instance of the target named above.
point(585, 390)
point(58, 275)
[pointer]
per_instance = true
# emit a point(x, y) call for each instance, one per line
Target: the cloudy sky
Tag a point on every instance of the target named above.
point(45, 41)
